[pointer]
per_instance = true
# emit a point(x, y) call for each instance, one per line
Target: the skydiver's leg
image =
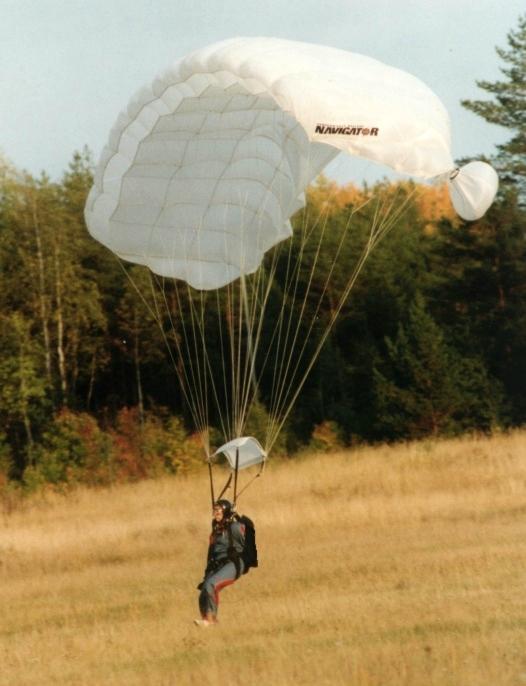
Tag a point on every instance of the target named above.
point(209, 596)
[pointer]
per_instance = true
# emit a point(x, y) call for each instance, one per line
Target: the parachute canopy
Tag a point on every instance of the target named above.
point(204, 169)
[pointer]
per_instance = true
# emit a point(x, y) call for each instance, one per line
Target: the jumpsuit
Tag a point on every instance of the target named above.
point(220, 571)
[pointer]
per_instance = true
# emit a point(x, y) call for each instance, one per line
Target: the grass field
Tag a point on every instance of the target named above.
point(378, 566)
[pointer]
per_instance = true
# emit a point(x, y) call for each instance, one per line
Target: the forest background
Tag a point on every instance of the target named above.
point(431, 342)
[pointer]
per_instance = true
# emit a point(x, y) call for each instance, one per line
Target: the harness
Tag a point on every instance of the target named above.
point(214, 566)
point(233, 555)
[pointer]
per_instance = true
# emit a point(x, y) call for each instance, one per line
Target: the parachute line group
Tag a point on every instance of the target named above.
point(199, 181)
point(229, 392)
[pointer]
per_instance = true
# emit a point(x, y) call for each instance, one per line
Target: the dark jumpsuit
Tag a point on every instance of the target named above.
point(222, 571)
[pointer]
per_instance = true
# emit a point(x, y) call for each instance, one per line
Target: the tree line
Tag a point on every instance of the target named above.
point(431, 341)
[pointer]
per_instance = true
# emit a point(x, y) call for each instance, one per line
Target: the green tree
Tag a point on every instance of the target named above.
point(79, 316)
point(478, 294)
point(425, 387)
point(22, 384)
point(395, 271)
point(141, 340)
point(73, 449)
point(508, 107)
point(49, 276)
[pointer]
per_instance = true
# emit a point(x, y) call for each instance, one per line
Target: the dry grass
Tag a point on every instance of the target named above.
point(386, 566)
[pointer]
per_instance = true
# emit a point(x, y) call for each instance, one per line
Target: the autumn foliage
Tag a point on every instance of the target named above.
point(76, 449)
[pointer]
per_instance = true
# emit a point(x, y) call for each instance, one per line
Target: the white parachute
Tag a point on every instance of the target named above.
point(204, 169)
point(202, 174)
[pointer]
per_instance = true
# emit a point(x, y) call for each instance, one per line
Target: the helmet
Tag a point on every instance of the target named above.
point(226, 506)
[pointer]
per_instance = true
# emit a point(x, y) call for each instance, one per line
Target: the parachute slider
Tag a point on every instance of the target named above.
point(242, 452)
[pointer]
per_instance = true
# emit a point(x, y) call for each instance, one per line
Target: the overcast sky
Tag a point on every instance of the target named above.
point(67, 67)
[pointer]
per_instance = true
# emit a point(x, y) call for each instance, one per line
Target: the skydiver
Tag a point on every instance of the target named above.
point(224, 561)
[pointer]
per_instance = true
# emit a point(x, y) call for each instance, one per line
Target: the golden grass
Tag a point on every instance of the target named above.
point(379, 566)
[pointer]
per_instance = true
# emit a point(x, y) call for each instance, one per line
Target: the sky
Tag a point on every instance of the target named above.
point(68, 67)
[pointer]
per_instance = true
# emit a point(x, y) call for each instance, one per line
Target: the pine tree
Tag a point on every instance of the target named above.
point(478, 294)
point(508, 108)
point(425, 387)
